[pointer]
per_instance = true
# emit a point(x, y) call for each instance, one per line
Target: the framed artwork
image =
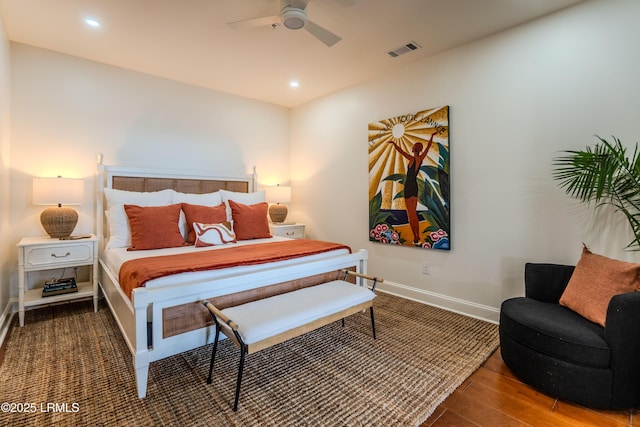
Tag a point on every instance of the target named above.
point(409, 180)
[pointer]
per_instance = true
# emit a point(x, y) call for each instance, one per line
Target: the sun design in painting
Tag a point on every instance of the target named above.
point(409, 180)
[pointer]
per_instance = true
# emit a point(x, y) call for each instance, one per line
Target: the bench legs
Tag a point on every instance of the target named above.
point(243, 352)
point(373, 323)
point(213, 353)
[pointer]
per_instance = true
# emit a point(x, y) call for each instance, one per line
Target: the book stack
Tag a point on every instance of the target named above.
point(59, 286)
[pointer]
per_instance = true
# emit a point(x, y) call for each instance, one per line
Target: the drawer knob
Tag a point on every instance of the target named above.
point(61, 256)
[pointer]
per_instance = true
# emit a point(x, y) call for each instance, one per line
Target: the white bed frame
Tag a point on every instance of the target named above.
point(132, 316)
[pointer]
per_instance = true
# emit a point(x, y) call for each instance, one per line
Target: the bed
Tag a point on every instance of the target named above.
point(163, 316)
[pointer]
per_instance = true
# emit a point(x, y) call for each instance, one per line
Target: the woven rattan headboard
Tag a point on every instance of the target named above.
point(197, 186)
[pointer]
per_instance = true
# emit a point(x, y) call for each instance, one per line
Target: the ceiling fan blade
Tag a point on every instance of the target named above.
point(255, 22)
point(298, 4)
point(322, 34)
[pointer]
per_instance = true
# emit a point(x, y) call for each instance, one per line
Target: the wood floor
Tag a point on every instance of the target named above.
point(492, 396)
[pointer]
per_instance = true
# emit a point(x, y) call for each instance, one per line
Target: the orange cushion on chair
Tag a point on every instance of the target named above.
point(154, 227)
point(595, 280)
point(250, 221)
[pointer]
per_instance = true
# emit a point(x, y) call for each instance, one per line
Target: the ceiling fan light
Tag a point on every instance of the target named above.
point(294, 18)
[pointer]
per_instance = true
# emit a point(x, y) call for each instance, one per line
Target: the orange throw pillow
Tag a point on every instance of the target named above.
point(250, 221)
point(154, 227)
point(203, 215)
point(595, 280)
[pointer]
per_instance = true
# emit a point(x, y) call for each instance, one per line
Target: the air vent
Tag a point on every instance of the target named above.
point(404, 49)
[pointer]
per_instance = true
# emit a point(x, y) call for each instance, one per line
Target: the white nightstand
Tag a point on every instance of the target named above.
point(44, 253)
point(292, 231)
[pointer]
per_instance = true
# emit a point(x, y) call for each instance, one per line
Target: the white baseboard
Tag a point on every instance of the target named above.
point(5, 319)
point(467, 308)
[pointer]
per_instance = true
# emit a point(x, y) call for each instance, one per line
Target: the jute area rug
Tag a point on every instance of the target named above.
point(70, 366)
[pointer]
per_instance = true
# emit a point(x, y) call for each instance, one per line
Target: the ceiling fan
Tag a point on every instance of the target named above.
point(293, 15)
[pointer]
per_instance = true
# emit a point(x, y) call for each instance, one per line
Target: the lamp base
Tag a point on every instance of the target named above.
point(59, 222)
point(278, 213)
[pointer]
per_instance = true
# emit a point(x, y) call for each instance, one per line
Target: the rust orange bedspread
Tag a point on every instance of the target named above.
point(137, 272)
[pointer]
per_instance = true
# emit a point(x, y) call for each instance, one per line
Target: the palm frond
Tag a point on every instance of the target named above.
point(606, 175)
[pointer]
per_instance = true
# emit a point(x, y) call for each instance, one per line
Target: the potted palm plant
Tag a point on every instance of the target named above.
point(606, 175)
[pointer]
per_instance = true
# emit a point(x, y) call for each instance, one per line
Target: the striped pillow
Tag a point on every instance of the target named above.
point(213, 234)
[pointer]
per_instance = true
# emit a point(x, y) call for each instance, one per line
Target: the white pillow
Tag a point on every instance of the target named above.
point(119, 232)
point(244, 198)
point(206, 199)
point(150, 198)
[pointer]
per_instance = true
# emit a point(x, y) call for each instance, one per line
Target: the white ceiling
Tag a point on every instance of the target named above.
point(190, 41)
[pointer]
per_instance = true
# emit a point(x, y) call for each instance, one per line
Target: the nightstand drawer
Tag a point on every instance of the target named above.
point(291, 231)
point(52, 255)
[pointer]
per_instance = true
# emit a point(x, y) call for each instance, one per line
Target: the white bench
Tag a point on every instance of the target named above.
point(256, 325)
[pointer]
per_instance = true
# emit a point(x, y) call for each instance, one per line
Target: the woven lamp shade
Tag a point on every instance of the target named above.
point(59, 222)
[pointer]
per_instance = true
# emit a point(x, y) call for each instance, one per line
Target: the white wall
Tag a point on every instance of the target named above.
point(66, 110)
point(5, 245)
point(516, 99)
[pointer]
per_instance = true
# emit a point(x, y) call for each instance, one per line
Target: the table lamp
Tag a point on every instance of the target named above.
point(59, 221)
point(278, 194)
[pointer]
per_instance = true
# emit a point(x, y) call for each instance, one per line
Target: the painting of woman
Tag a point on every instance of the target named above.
point(411, 182)
point(409, 179)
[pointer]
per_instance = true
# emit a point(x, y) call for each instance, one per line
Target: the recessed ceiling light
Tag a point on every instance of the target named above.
point(92, 22)
point(294, 83)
